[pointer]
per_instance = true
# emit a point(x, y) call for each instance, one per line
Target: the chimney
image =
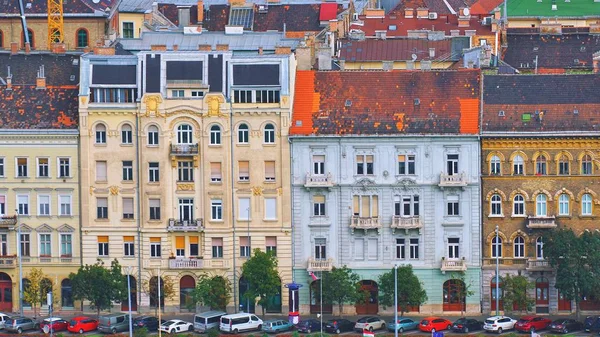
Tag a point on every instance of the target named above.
point(423, 13)
point(14, 48)
point(158, 47)
point(324, 56)
point(431, 53)
point(283, 50)
point(304, 58)
point(464, 21)
point(222, 47)
point(205, 47)
point(175, 47)
point(260, 50)
point(9, 80)
point(99, 50)
point(40, 81)
point(409, 13)
point(27, 48)
point(183, 16)
point(200, 15)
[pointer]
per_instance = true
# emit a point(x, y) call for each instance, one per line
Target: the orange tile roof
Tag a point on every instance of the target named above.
point(484, 7)
point(306, 102)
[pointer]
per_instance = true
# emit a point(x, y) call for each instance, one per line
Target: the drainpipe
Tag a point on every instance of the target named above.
point(481, 243)
point(292, 202)
point(139, 214)
point(341, 225)
point(79, 202)
point(232, 173)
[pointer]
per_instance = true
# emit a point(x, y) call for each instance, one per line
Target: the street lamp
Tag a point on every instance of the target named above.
point(248, 255)
point(497, 277)
point(321, 301)
point(396, 300)
point(129, 300)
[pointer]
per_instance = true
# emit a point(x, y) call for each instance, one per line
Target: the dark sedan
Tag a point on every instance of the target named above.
point(149, 322)
point(466, 325)
point(338, 325)
point(309, 325)
point(565, 325)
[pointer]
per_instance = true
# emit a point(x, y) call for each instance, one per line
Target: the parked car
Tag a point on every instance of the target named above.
point(207, 320)
point(53, 324)
point(308, 325)
point(276, 325)
point(531, 323)
point(565, 325)
point(338, 325)
point(403, 324)
point(176, 325)
point(113, 323)
point(19, 324)
point(592, 323)
point(466, 325)
point(369, 323)
point(81, 324)
point(3, 318)
point(499, 323)
point(149, 322)
point(433, 324)
point(240, 322)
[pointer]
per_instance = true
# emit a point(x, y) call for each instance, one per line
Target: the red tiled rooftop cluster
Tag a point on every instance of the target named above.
point(69, 7)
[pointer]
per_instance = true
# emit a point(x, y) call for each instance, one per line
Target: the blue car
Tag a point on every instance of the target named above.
point(402, 325)
point(309, 325)
point(276, 325)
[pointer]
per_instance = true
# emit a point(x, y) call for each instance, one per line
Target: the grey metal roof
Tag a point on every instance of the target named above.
point(246, 41)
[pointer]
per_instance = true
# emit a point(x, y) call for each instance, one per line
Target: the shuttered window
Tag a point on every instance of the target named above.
point(215, 172)
point(244, 168)
point(269, 171)
point(101, 171)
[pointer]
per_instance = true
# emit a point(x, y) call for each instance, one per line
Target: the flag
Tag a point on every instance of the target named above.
point(533, 334)
point(312, 275)
point(367, 333)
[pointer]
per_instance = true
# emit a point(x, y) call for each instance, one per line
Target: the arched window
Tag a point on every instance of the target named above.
point(31, 38)
point(126, 134)
point(563, 204)
point(243, 134)
point(496, 205)
point(518, 205)
point(100, 134)
point(518, 163)
point(541, 208)
point(586, 204)
point(496, 246)
point(82, 38)
point(215, 135)
point(540, 165)
point(152, 135)
point(563, 164)
point(586, 164)
point(269, 134)
point(495, 168)
point(519, 247)
point(184, 134)
point(539, 248)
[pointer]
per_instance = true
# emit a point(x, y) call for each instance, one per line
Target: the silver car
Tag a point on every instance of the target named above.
point(19, 324)
point(3, 318)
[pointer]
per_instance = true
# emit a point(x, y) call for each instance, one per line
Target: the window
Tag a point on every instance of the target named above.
point(244, 208)
point(42, 167)
point(154, 209)
point(563, 164)
point(373, 249)
point(194, 246)
point(366, 206)
point(406, 164)
point(30, 36)
point(518, 164)
point(128, 30)
point(112, 95)
point(318, 205)
point(153, 172)
point(269, 136)
point(540, 165)
point(178, 93)
point(3, 245)
point(359, 249)
point(215, 135)
point(185, 170)
point(126, 134)
point(320, 249)
point(586, 204)
point(452, 205)
point(406, 205)
point(364, 164)
point(586, 165)
point(66, 245)
point(127, 170)
point(129, 246)
point(216, 209)
point(414, 248)
point(23, 204)
point(179, 246)
point(1, 167)
point(242, 96)
point(102, 208)
point(563, 204)
point(496, 246)
point(43, 205)
point(184, 134)
point(453, 248)
point(101, 171)
point(452, 164)
point(244, 246)
point(155, 247)
point(269, 171)
point(64, 167)
point(215, 172)
point(2, 205)
point(186, 209)
point(400, 248)
point(496, 205)
point(518, 205)
point(267, 96)
point(539, 248)
point(540, 205)
point(25, 245)
point(197, 93)
point(65, 205)
point(22, 167)
point(519, 247)
point(45, 245)
point(318, 164)
point(495, 166)
point(82, 38)
point(217, 247)
point(100, 134)
point(127, 208)
point(243, 134)
point(243, 171)
point(103, 246)
point(152, 135)
point(271, 245)
point(270, 208)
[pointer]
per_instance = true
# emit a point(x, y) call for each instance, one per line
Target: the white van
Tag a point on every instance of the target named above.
point(207, 320)
point(240, 322)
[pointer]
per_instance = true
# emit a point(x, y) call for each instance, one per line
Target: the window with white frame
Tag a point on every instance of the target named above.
point(101, 208)
point(64, 167)
point(100, 134)
point(495, 168)
point(23, 204)
point(496, 246)
point(406, 205)
point(563, 204)
point(25, 245)
point(244, 171)
point(269, 134)
point(541, 205)
point(365, 206)
point(256, 96)
point(102, 245)
point(65, 205)
point(269, 170)
point(452, 205)
point(197, 93)
point(3, 245)
point(453, 248)
point(496, 205)
point(372, 248)
point(406, 164)
point(400, 248)
point(66, 245)
point(45, 245)
point(244, 208)
point(184, 134)
point(128, 246)
point(586, 165)
point(2, 205)
point(178, 93)
point(127, 170)
point(359, 249)
point(217, 248)
point(185, 170)
point(101, 171)
point(541, 164)
point(154, 205)
point(271, 245)
point(519, 247)
point(215, 135)
point(270, 208)
point(586, 204)
point(153, 172)
point(518, 205)
point(518, 164)
point(186, 209)
point(128, 30)
point(21, 167)
point(563, 164)
point(153, 135)
point(364, 164)
point(127, 208)
point(414, 248)
point(452, 164)
point(126, 134)
point(43, 205)
point(539, 248)
point(180, 246)
point(155, 247)
point(243, 134)
point(1, 167)
point(318, 202)
point(216, 209)
point(318, 164)
point(245, 246)
point(43, 168)
point(215, 172)
point(320, 249)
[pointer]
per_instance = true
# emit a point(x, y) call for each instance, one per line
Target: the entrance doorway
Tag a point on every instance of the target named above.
point(542, 300)
point(315, 299)
point(186, 287)
point(5, 293)
point(246, 304)
point(563, 303)
point(370, 304)
point(133, 289)
point(454, 299)
point(496, 281)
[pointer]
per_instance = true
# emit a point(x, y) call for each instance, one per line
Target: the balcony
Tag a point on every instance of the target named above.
point(541, 222)
point(538, 265)
point(318, 180)
point(365, 223)
point(8, 221)
point(61, 260)
point(8, 262)
point(406, 223)
point(186, 263)
point(184, 149)
point(453, 180)
point(508, 262)
point(185, 225)
point(453, 265)
point(319, 265)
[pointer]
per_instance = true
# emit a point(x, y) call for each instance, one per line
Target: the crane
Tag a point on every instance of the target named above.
point(55, 22)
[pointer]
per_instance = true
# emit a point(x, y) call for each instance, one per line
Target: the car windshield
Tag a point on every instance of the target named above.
point(363, 320)
point(461, 321)
point(169, 322)
point(424, 322)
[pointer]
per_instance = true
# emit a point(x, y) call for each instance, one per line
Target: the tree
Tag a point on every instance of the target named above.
point(341, 286)
point(99, 285)
point(465, 291)
point(38, 286)
point(410, 289)
point(213, 292)
point(515, 293)
point(167, 289)
point(260, 271)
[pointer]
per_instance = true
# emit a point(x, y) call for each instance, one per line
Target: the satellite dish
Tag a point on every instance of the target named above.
point(414, 57)
point(96, 1)
point(466, 11)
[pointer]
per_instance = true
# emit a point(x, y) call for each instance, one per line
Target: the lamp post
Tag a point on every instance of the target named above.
point(321, 301)
point(19, 253)
point(158, 303)
point(497, 278)
point(248, 255)
point(129, 300)
point(396, 300)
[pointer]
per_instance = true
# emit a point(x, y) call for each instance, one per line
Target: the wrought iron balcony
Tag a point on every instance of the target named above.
point(453, 265)
point(185, 225)
point(406, 223)
point(186, 263)
point(453, 180)
point(365, 223)
point(8, 221)
point(541, 222)
point(538, 265)
point(319, 265)
point(318, 180)
point(184, 149)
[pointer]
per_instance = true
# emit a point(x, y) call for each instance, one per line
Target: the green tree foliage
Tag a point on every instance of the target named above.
point(465, 291)
point(99, 285)
point(260, 271)
point(341, 286)
point(36, 290)
point(410, 289)
point(515, 293)
point(213, 292)
point(167, 289)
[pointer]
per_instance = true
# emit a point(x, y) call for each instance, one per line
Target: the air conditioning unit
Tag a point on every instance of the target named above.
point(263, 8)
point(432, 16)
point(487, 21)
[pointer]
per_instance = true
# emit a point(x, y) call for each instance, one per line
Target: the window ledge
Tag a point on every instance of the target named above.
point(101, 181)
point(243, 181)
point(43, 177)
point(154, 183)
point(17, 177)
point(518, 216)
point(217, 221)
point(152, 146)
point(102, 220)
point(587, 217)
point(128, 220)
point(214, 145)
point(269, 144)
point(564, 216)
point(126, 145)
point(270, 181)
point(65, 216)
point(244, 220)
point(127, 257)
point(496, 216)
point(100, 144)
point(64, 177)
point(270, 220)
point(44, 216)
point(243, 144)
point(127, 182)
point(155, 221)
point(218, 183)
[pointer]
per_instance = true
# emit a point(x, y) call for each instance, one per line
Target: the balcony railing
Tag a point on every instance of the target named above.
point(8, 221)
point(318, 180)
point(453, 265)
point(319, 265)
point(364, 223)
point(49, 260)
point(541, 222)
point(8, 262)
point(185, 225)
point(538, 265)
point(505, 261)
point(184, 149)
point(406, 223)
point(453, 180)
point(186, 263)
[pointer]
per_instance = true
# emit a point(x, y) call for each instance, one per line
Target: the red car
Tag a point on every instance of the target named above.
point(54, 324)
point(532, 323)
point(433, 324)
point(81, 324)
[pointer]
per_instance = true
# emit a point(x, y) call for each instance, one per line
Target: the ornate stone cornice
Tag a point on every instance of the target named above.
point(540, 143)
